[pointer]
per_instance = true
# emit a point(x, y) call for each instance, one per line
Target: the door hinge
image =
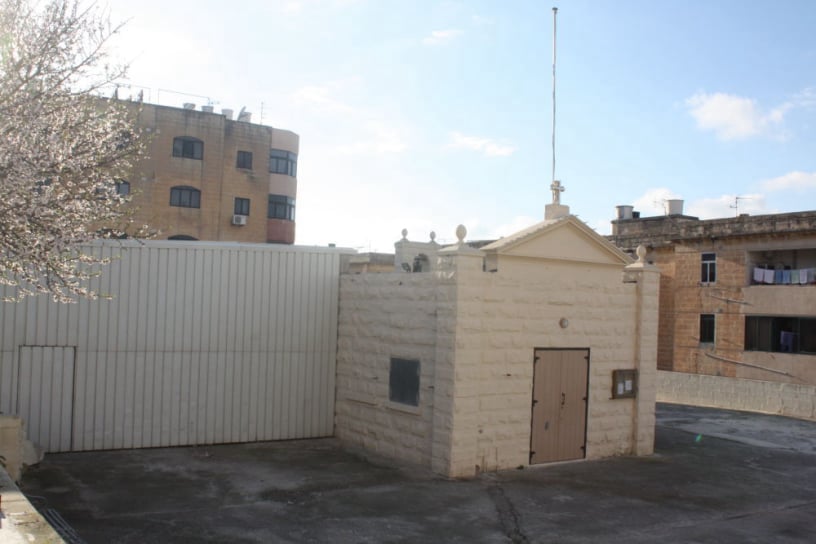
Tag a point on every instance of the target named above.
point(535, 402)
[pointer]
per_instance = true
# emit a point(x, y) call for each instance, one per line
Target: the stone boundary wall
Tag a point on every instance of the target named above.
point(785, 399)
point(19, 520)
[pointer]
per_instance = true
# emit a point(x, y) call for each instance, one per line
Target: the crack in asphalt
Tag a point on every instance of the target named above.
point(508, 517)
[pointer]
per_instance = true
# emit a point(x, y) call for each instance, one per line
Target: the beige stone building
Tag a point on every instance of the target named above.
point(537, 348)
point(738, 295)
point(209, 177)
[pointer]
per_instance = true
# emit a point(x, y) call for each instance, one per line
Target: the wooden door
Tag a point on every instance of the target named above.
point(560, 382)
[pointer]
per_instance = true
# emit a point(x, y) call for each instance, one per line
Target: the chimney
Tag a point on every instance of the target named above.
point(189, 106)
point(244, 116)
point(227, 112)
point(207, 109)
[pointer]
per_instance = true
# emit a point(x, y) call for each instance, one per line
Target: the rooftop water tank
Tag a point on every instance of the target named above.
point(624, 212)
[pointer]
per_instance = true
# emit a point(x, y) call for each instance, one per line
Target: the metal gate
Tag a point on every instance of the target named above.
point(45, 394)
point(560, 382)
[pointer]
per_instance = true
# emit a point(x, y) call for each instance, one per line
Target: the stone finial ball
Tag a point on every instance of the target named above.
point(433, 236)
point(461, 232)
point(404, 234)
point(641, 253)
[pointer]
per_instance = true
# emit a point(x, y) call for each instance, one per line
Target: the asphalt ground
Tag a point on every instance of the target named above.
point(716, 476)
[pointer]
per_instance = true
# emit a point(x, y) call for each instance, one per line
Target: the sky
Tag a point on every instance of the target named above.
point(423, 115)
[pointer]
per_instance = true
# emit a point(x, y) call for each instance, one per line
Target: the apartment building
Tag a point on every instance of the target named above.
point(209, 177)
point(737, 295)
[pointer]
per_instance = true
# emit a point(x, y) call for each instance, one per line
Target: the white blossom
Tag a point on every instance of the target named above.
point(62, 147)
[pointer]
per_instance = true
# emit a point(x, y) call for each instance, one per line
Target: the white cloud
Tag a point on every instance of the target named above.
point(321, 98)
point(727, 206)
point(439, 37)
point(653, 201)
point(292, 6)
point(806, 98)
point(379, 138)
point(486, 146)
point(733, 117)
point(792, 180)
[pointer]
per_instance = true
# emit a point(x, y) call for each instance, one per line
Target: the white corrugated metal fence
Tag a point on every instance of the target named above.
point(200, 344)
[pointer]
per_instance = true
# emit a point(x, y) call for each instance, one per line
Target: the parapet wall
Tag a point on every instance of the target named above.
point(629, 233)
point(785, 399)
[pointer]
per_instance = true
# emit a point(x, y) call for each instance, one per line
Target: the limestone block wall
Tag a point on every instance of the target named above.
point(11, 444)
point(475, 334)
point(503, 317)
point(383, 316)
point(787, 399)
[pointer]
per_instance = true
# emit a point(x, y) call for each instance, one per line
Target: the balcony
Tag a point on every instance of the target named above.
point(788, 268)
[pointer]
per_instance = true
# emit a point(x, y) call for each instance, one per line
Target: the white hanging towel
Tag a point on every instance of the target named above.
point(769, 276)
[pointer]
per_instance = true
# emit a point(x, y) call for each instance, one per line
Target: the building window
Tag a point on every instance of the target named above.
point(241, 206)
point(780, 334)
point(188, 148)
point(122, 187)
point(244, 160)
point(709, 268)
point(282, 162)
point(281, 207)
point(185, 197)
point(403, 381)
point(707, 328)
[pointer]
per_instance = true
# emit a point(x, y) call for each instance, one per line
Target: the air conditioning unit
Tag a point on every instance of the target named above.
point(239, 220)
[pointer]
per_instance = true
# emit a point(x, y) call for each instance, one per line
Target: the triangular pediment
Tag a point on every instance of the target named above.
point(566, 238)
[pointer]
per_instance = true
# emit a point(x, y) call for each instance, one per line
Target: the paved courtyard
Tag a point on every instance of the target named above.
point(717, 476)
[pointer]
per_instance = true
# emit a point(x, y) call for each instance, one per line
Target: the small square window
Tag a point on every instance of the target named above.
point(241, 206)
point(244, 160)
point(188, 148)
point(403, 381)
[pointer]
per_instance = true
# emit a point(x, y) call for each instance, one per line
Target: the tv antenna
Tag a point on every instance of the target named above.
point(735, 205)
